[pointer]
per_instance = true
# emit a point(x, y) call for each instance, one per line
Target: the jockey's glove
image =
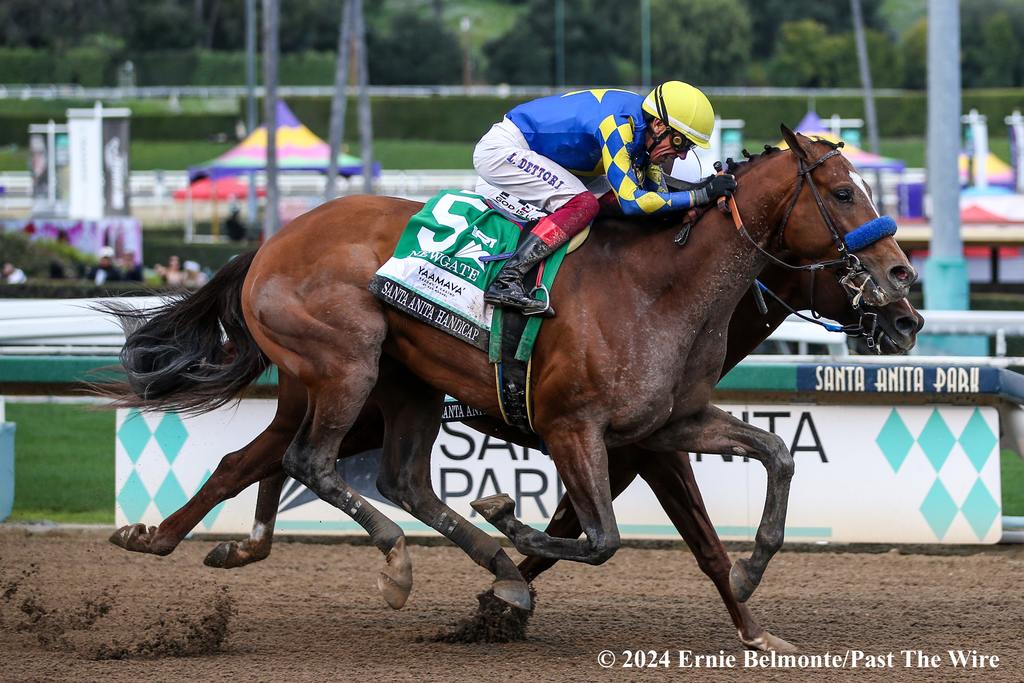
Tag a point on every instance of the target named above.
point(714, 187)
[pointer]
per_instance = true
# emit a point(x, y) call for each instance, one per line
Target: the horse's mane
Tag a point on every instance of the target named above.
point(737, 168)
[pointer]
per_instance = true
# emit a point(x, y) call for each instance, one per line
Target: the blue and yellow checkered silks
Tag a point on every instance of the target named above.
point(634, 196)
point(590, 132)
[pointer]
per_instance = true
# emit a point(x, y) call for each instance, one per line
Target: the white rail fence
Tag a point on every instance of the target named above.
point(70, 91)
point(76, 326)
point(152, 192)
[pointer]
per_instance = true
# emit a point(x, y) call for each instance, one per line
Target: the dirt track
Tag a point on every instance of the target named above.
point(75, 608)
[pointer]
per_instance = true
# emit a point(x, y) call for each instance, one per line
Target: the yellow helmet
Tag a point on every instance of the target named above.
point(685, 109)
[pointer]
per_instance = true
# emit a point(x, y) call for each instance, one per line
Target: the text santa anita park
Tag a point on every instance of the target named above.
point(847, 659)
point(897, 379)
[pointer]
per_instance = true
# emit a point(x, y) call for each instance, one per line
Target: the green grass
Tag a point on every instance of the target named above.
point(416, 154)
point(1013, 484)
point(176, 156)
point(57, 109)
point(910, 150)
point(412, 154)
point(13, 158)
point(64, 463)
point(149, 155)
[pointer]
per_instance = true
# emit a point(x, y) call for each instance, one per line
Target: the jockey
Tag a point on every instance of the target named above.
point(562, 152)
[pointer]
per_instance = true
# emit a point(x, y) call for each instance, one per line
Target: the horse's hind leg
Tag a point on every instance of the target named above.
point(367, 433)
point(670, 476)
point(334, 406)
point(231, 554)
point(260, 458)
point(412, 412)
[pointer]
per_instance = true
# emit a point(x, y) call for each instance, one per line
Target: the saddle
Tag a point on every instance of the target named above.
point(448, 254)
point(514, 334)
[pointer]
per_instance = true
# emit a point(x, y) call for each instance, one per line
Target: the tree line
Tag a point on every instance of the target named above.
point(799, 43)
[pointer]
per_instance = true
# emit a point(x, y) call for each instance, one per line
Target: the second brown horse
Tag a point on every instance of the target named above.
point(661, 347)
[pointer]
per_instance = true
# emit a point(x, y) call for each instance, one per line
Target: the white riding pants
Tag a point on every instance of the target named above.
point(506, 163)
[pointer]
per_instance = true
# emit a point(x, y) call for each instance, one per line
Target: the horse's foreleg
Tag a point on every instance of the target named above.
point(670, 476)
point(582, 463)
point(622, 470)
point(412, 411)
point(716, 431)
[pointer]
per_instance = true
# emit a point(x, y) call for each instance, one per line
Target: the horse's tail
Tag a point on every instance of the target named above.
point(192, 354)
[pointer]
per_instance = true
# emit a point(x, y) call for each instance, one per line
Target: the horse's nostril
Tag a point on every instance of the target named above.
point(906, 325)
point(902, 275)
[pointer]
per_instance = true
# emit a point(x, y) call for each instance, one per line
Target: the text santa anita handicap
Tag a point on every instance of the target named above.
point(848, 659)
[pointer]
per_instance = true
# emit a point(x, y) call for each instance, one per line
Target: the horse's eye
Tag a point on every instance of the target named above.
point(844, 195)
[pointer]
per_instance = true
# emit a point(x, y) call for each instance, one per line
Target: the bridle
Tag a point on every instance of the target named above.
point(849, 267)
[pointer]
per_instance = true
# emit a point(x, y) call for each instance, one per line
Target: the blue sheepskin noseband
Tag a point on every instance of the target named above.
point(870, 232)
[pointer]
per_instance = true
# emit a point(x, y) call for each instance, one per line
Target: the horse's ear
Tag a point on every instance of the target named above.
point(791, 139)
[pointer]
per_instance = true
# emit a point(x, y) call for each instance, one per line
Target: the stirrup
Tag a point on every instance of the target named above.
point(547, 311)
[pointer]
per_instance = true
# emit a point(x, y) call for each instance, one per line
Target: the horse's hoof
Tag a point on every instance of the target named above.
point(230, 554)
point(740, 582)
point(134, 537)
point(766, 642)
point(395, 579)
point(494, 507)
point(515, 593)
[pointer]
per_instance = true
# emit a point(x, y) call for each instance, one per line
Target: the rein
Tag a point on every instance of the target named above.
point(864, 236)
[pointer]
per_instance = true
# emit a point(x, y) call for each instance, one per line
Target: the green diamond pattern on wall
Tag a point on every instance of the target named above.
point(895, 440)
point(977, 440)
point(980, 509)
point(134, 435)
point(170, 497)
point(133, 497)
point(938, 509)
point(936, 440)
point(171, 435)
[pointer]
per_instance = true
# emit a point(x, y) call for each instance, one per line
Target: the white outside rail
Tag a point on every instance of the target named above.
point(75, 323)
point(65, 91)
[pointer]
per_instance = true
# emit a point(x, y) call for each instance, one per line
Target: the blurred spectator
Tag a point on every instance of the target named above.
point(194, 276)
point(234, 225)
point(171, 274)
point(13, 275)
point(105, 270)
point(132, 270)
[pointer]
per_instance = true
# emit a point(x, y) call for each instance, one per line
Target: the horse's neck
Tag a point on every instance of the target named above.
point(716, 266)
point(748, 327)
point(722, 258)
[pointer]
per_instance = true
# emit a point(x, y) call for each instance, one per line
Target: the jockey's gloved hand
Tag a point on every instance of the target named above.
point(716, 186)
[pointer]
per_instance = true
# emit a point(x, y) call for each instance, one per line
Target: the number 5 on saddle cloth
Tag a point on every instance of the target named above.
point(447, 256)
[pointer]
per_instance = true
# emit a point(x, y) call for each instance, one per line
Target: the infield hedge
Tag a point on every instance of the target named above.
point(465, 119)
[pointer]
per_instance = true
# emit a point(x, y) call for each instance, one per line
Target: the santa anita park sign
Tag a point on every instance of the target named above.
point(921, 465)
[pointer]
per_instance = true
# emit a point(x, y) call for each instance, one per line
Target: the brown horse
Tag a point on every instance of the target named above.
point(300, 319)
point(669, 474)
point(898, 324)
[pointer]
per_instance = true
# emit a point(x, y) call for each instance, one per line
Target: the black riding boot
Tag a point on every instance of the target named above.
point(508, 289)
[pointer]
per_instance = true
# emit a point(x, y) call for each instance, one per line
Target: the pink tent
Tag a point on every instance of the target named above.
point(222, 189)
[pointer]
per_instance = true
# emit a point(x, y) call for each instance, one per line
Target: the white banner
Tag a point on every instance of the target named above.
point(85, 154)
point(904, 474)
